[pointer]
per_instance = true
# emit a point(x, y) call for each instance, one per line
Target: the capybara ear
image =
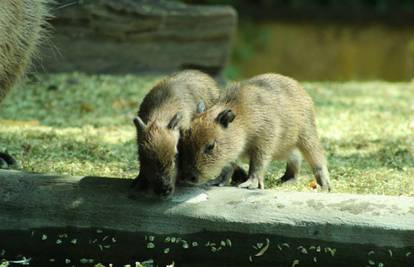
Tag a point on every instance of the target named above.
point(175, 121)
point(226, 117)
point(139, 123)
point(201, 107)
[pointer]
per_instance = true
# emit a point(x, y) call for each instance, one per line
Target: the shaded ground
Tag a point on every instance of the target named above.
point(81, 125)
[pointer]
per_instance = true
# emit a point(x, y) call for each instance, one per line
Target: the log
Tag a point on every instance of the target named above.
point(80, 221)
point(135, 36)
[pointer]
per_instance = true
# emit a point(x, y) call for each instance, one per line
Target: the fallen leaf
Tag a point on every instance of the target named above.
point(313, 185)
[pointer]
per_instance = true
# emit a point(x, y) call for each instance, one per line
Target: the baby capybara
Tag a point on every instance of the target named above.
point(165, 111)
point(267, 117)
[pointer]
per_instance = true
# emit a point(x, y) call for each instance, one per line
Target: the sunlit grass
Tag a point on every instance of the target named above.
point(81, 125)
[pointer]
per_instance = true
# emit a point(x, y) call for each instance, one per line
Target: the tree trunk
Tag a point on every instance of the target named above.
point(132, 36)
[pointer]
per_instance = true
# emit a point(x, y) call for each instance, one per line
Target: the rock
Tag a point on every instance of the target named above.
point(128, 36)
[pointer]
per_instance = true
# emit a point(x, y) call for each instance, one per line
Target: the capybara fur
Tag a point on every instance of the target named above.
point(164, 112)
point(267, 117)
point(22, 26)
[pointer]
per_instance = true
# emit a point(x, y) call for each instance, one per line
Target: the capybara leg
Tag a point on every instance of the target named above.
point(8, 162)
point(322, 177)
point(251, 183)
point(239, 175)
point(224, 177)
point(292, 168)
point(257, 167)
point(313, 152)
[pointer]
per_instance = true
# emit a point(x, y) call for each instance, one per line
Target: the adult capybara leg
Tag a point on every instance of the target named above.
point(8, 162)
point(293, 165)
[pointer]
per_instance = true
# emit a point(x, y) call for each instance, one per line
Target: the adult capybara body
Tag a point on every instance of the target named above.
point(22, 25)
point(267, 117)
point(165, 111)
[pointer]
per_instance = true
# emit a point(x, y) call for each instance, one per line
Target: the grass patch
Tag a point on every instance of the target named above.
point(80, 124)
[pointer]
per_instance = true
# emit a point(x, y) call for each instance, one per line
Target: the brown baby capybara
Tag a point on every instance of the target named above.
point(165, 111)
point(267, 117)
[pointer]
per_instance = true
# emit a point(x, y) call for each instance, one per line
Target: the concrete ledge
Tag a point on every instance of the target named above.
point(111, 223)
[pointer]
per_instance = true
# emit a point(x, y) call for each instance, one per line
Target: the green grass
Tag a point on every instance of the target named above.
point(81, 125)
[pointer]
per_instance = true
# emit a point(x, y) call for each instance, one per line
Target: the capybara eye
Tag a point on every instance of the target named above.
point(209, 147)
